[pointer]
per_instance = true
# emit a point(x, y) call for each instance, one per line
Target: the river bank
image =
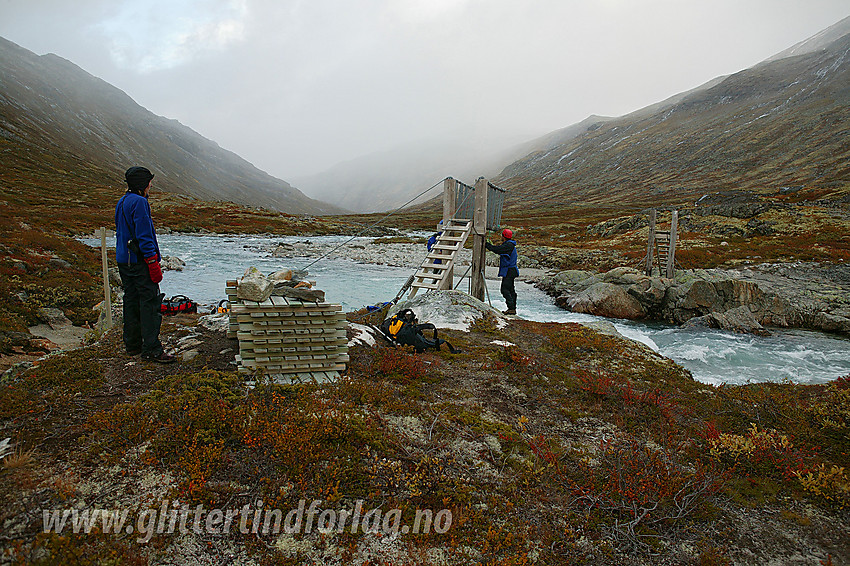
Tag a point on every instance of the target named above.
point(792, 295)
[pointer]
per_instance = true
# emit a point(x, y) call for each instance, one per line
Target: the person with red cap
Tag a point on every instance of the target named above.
point(508, 270)
point(138, 257)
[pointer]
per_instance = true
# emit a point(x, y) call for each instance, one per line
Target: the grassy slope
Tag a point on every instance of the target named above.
point(548, 451)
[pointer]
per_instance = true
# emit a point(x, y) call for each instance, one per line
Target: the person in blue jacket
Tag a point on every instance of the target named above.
point(433, 240)
point(138, 257)
point(508, 270)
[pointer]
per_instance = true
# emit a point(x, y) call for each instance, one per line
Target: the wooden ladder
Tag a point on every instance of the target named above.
point(431, 275)
point(662, 250)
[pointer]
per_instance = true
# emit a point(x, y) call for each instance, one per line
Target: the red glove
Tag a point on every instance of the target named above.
point(153, 267)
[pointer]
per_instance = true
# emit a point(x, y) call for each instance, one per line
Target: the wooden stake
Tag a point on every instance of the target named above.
point(479, 232)
point(107, 291)
point(449, 205)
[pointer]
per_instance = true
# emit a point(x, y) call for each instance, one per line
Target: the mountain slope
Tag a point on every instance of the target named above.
point(781, 123)
point(56, 118)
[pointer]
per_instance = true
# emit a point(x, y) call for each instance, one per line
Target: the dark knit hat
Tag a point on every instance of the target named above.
point(138, 178)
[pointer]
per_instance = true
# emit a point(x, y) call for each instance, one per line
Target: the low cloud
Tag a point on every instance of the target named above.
point(156, 35)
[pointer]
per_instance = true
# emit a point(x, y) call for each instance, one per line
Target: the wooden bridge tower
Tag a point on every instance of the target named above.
point(661, 246)
point(466, 211)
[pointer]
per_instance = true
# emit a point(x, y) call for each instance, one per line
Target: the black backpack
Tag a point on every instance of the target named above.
point(403, 328)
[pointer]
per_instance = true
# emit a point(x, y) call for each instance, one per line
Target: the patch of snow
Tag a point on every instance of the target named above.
point(454, 310)
point(504, 343)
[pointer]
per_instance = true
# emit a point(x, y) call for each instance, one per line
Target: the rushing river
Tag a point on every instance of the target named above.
point(711, 356)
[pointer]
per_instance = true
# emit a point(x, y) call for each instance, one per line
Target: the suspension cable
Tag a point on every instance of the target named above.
point(318, 259)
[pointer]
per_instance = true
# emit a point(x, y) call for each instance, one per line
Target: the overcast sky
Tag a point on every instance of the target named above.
point(298, 86)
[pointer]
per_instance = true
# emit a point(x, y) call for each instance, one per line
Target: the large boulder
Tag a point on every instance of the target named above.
point(831, 322)
point(447, 309)
point(699, 297)
point(739, 319)
point(623, 276)
point(607, 299)
point(650, 292)
point(567, 281)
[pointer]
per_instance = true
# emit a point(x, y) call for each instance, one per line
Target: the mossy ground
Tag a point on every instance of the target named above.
point(568, 446)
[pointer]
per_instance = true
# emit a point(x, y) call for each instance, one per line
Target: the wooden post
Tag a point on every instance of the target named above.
point(479, 234)
point(449, 205)
point(671, 255)
point(107, 291)
point(650, 246)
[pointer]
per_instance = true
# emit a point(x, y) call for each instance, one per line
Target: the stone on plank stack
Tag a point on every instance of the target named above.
point(294, 341)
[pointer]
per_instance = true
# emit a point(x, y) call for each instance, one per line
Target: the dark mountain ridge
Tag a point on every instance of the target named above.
point(782, 123)
point(56, 118)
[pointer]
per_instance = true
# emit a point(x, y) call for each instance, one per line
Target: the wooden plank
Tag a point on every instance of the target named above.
point(479, 231)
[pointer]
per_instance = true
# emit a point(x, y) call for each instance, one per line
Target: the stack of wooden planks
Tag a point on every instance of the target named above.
point(292, 340)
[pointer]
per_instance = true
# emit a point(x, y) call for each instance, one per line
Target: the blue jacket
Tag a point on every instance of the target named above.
point(508, 259)
point(431, 241)
point(133, 220)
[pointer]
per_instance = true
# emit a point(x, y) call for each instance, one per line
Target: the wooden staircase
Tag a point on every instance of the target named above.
point(431, 275)
point(662, 250)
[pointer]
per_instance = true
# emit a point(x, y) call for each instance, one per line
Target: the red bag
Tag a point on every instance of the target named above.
point(178, 304)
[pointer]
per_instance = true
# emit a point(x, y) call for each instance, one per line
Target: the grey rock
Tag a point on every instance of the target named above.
point(619, 225)
point(302, 294)
point(254, 286)
point(623, 276)
point(54, 318)
point(216, 322)
point(739, 319)
point(609, 300)
point(189, 355)
point(58, 263)
point(650, 292)
point(172, 263)
point(831, 323)
point(785, 295)
point(571, 276)
point(20, 265)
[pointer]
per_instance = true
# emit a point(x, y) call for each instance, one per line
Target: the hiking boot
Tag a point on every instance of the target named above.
point(162, 358)
point(133, 351)
point(509, 311)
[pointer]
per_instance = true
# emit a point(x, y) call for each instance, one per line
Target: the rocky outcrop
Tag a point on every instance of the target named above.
point(800, 295)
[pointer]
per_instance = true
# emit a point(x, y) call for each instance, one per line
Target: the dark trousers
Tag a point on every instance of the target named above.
point(508, 290)
point(142, 318)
